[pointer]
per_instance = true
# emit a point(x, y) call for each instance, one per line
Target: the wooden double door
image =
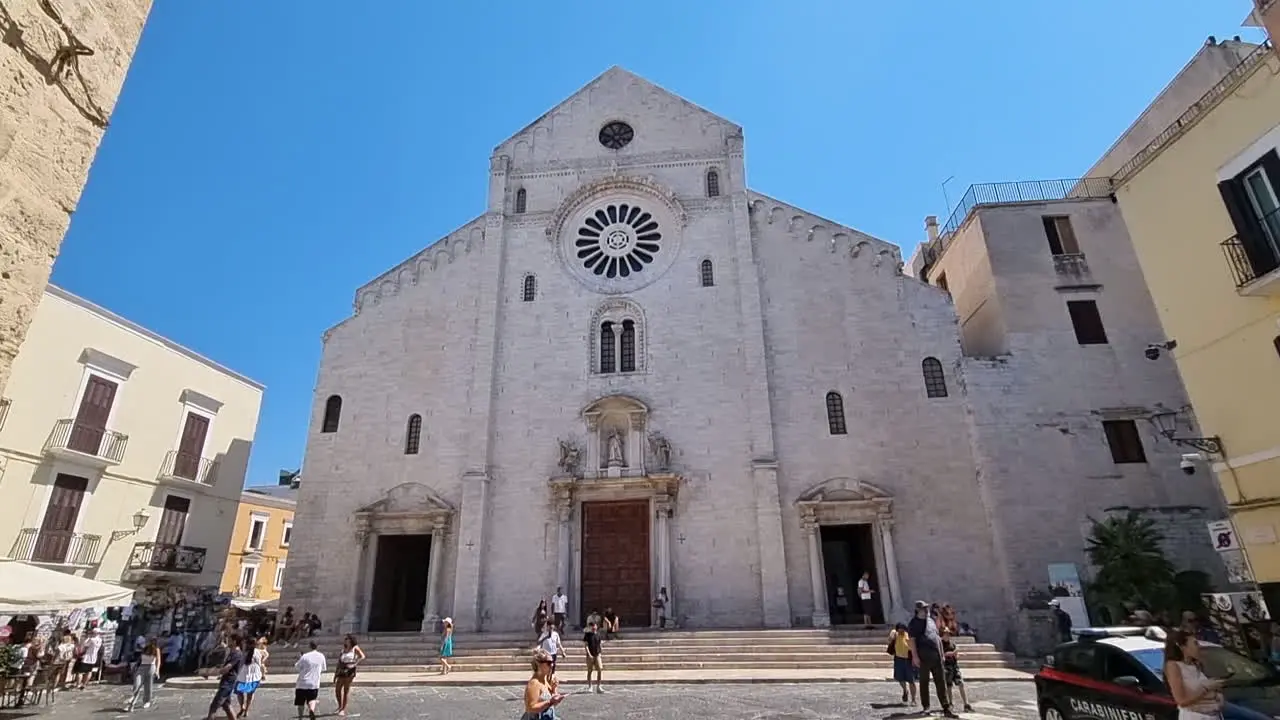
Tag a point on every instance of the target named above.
point(615, 560)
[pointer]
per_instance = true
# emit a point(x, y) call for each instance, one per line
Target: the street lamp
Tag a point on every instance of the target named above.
point(140, 519)
point(1166, 422)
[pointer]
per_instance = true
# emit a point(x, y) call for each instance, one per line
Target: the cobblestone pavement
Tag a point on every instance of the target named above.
point(991, 700)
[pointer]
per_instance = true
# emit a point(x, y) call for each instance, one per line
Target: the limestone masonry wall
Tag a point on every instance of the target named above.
point(62, 64)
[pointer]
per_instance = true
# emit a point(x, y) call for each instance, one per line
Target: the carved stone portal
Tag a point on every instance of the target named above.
point(616, 437)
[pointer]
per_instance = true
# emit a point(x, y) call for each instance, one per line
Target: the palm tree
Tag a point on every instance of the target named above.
point(1131, 565)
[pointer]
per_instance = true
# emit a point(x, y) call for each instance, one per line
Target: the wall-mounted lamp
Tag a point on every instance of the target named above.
point(140, 519)
point(1166, 422)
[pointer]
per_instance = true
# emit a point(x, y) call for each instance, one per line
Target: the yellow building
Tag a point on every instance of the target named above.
point(259, 545)
point(122, 453)
point(1202, 204)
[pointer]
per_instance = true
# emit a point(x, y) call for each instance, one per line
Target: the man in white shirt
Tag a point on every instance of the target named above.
point(89, 652)
point(550, 643)
point(310, 667)
point(559, 608)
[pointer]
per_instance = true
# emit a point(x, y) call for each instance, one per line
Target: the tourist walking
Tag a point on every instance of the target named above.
point(841, 607)
point(228, 670)
point(345, 674)
point(904, 673)
point(551, 645)
point(864, 598)
point(660, 604)
point(591, 639)
point(559, 608)
point(926, 656)
point(145, 675)
point(310, 667)
point(446, 647)
point(90, 652)
point(249, 676)
point(1198, 696)
point(540, 696)
point(539, 618)
point(951, 670)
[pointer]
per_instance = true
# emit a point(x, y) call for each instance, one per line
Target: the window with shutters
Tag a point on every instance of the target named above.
point(257, 532)
point(530, 288)
point(173, 520)
point(521, 199)
point(332, 414)
point(835, 414)
point(413, 434)
point(1125, 441)
point(627, 347)
point(1087, 322)
point(707, 273)
point(935, 382)
point(286, 535)
point(608, 349)
point(1061, 236)
point(713, 183)
point(1253, 203)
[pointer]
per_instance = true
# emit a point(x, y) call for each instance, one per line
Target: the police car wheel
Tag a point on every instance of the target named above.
point(1049, 712)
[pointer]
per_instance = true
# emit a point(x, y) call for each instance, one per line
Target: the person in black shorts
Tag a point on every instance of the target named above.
point(226, 671)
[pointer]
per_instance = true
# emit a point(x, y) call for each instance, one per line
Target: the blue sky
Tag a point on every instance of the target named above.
point(267, 157)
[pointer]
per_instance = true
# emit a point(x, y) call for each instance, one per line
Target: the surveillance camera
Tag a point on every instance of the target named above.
point(1152, 352)
point(1189, 463)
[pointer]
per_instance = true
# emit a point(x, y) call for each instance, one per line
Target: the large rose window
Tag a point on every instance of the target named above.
point(618, 240)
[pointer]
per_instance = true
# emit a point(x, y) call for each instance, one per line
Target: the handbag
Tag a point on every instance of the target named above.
point(892, 648)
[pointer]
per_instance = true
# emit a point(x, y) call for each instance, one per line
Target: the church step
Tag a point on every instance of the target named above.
point(575, 667)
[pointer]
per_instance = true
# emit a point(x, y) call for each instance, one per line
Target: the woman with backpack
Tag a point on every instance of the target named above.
point(904, 671)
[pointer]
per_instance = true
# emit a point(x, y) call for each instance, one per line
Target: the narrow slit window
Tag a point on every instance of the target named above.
point(707, 273)
point(522, 198)
point(608, 356)
point(530, 289)
point(628, 346)
point(713, 183)
point(332, 414)
point(935, 381)
point(1087, 322)
point(1060, 234)
point(1125, 441)
point(413, 435)
point(835, 414)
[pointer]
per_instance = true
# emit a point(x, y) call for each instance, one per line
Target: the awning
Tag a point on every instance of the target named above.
point(31, 590)
point(251, 604)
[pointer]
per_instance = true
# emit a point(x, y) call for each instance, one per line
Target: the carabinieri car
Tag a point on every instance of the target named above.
point(1117, 674)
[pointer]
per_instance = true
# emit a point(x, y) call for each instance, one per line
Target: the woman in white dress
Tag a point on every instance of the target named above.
point(1198, 696)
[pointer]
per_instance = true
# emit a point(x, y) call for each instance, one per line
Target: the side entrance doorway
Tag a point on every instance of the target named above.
point(847, 552)
point(615, 561)
point(399, 594)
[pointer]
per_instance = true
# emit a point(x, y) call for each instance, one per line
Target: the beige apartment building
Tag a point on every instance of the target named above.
point(122, 453)
point(62, 65)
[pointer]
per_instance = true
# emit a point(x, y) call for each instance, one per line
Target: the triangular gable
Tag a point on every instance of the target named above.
point(615, 77)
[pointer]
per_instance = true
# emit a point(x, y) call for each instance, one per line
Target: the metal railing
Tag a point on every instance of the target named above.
point(55, 547)
point(163, 557)
point(4, 410)
point(188, 466)
point(1026, 191)
point(99, 442)
point(249, 592)
point(1073, 264)
point(1193, 114)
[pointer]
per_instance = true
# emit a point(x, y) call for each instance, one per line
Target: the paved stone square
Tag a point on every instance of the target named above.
point(1000, 701)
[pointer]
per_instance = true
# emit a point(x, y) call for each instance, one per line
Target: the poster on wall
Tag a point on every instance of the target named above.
point(1065, 586)
point(1237, 567)
point(1242, 621)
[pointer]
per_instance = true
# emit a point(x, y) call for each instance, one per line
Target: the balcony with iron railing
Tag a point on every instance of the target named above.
point(188, 468)
point(166, 558)
point(55, 547)
point(1255, 265)
point(86, 444)
point(249, 592)
point(1072, 268)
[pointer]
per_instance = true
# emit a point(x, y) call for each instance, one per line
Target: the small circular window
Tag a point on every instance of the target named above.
point(618, 240)
point(615, 135)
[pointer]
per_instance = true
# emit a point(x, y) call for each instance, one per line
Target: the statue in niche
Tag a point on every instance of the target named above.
point(661, 451)
point(613, 446)
point(570, 457)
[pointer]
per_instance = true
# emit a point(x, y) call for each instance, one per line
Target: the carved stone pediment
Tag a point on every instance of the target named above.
point(844, 500)
point(844, 490)
point(408, 507)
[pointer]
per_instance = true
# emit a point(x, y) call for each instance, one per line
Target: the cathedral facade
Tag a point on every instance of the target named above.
point(634, 373)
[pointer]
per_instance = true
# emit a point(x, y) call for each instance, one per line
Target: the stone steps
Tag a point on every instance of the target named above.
point(671, 650)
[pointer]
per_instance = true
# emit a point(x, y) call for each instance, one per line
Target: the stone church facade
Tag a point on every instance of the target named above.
point(633, 372)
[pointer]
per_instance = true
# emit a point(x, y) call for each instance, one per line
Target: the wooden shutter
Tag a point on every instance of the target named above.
point(60, 518)
point(191, 446)
point(1246, 221)
point(173, 521)
point(91, 418)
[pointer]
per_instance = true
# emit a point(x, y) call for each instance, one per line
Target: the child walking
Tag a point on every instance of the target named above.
point(951, 669)
point(446, 647)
